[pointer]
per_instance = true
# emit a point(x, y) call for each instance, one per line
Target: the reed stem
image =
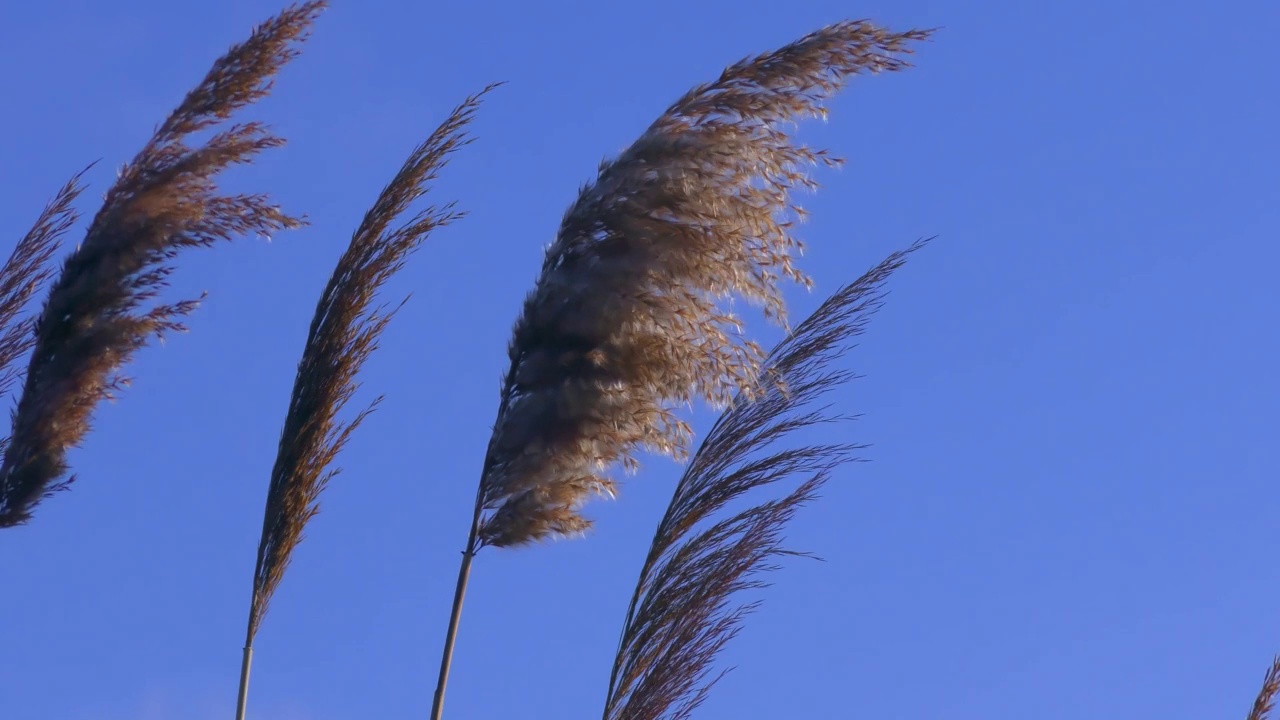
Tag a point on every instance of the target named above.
point(244, 682)
point(455, 616)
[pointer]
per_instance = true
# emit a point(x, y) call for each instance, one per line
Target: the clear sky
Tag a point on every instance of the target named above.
point(1071, 396)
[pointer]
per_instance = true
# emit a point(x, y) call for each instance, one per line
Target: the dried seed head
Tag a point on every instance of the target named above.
point(344, 333)
point(628, 319)
point(1265, 701)
point(164, 201)
point(682, 612)
point(26, 272)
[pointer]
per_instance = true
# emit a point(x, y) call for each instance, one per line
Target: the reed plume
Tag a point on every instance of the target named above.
point(344, 333)
point(628, 319)
point(164, 201)
point(1263, 704)
point(25, 273)
point(682, 612)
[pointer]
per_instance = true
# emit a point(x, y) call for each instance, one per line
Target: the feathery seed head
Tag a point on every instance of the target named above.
point(627, 320)
point(683, 612)
point(1264, 703)
point(344, 333)
point(162, 202)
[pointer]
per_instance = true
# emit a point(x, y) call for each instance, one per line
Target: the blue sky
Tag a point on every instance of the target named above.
point(1071, 395)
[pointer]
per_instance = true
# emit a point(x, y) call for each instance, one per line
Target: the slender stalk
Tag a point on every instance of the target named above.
point(474, 543)
point(455, 616)
point(244, 680)
point(625, 324)
point(344, 333)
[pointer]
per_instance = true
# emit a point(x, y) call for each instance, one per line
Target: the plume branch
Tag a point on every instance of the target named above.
point(1265, 701)
point(683, 610)
point(629, 319)
point(25, 273)
point(166, 199)
point(343, 334)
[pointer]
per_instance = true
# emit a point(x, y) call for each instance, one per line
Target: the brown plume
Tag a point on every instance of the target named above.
point(1266, 699)
point(628, 319)
point(344, 333)
point(164, 201)
point(25, 273)
point(682, 613)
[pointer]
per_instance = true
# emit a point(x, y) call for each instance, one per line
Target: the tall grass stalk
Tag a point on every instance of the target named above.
point(344, 333)
point(629, 319)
